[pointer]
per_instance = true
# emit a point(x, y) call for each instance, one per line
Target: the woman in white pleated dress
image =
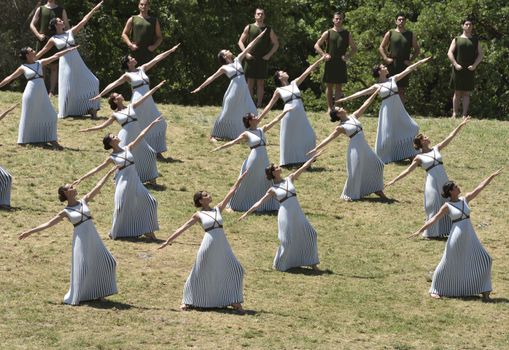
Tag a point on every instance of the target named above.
point(396, 129)
point(144, 155)
point(92, 265)
point(255, 185)
point(365, 170)
point(298, 240)
point(140, 84)
point(216, 279)
point(297, 137)
point(5, 177)
point(465, 267)
point(430, 160)
point(135, 212)
point(237, 101)
point(76, 83)
point(38, 122)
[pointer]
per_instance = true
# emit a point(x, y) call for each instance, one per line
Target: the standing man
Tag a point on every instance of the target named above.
point(396, 48)
point(337, 41)
point(256, 67)
point(145, 33)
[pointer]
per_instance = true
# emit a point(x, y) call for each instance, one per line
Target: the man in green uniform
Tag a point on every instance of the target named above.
point(145, 33)
point(256, 63)
point(396, 49)
point(337, 41)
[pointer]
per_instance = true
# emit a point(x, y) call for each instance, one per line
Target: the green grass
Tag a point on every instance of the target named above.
point(374, 298)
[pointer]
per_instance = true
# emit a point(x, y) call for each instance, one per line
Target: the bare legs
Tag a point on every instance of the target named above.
point(401, 93)
point(53, 79)
point(331, 97)
point(260, 90)
point(464, 98)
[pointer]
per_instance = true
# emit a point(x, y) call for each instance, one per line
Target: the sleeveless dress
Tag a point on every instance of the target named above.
point(465, 54)
point(400, 46)
point(255, 185)
point(396, 129)
point(144, 156)
point(465, 268)
point(237, 102)
point(335, 68)
point(76, 83)
point(147, 112)
point(38, 122)
point(5, 187)
point(92, 265)
point(144, 35)
point(257, 68)
point(217, 276)
point(297, 137)
point(298, 245)
point(436, 177)
point(45, 15)
point(135, 210)
point(364, 168)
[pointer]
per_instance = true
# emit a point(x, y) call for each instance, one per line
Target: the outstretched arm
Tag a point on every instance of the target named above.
point(443, 210)
point(45, 49)
point(304, 75)
point(415, 163)
point(10, 109)
point(76, 29)
point(471, 195)
point(276, 120)
point(367, 91)
point(97, 188)
point(55, 220)
point(123, 79)
point(149, 93)
point(209, 80)
point(147, 66)
point(46, 61)
point(410, 68)
point(144, 132)
point(180, 230)
point(250, 46)
point(241, 137)
point(93, 171)
point(337, 131)
point(453, 133)
point(269, 105)
point(366, 104)
point(107, 123)
point(268, 194)
point(221, 205)
point(11, 77)
point(295, 175)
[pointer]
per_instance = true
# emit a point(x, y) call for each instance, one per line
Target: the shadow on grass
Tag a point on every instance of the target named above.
point(48, 146)
point(222, 310)
point(9, 208)
point(156, 187)
point(141, 239)
point(360, 277)
point(309, 272)
point(84, 117)
point(169, 160)
point(378, 200)
point(404, 162)
point(478, 298)
point(109, 304)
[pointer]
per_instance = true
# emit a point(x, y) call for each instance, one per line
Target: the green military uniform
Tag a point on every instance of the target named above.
point(45, 16)
point(465, 54)
point(143, 35)
point(400, 46)
point(257, 68)
point(335, 68)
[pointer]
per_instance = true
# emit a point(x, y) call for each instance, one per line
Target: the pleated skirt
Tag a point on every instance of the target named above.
point(147, 112)
point(135, 210)
point(433, 201)
point(5, 187)
point(297, 137)
point(76, 85)
point(465, 268)
point(92, 266)
point(216, 279)
point(38, 122)
point(298, 239)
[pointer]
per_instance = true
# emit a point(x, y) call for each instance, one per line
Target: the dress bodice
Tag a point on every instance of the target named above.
point(125, 116)
point(430, 159)
point(352, 126)
point(290, 92)
point(233, 70)
point(32, 70)
point(138, 78)
point(284, 190)
point(211, 219)
point(256, 138)
point(388, 89)
point(79, 213)
point(64, 40)
point(459, 210)
point(123, 159)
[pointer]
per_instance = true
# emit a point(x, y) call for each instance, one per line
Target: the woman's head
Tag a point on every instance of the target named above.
point(65, 192)
point(248, 120)
point(114, 100)
point(279, 76)
point(55, 23)
point(128, 62)
point(337, 114)
point(420, 140)
point(224, 57)
point(109, 141)
point(200, 198)
point(379, 69)
point(449, 188)
point(25, 53)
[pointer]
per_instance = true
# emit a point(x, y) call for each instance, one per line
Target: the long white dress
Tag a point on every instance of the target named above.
point(465, 267)
point(436, 177)
point(92, 265)
point(217, 276)
point(145, 158)
point(255, 185)
point(297, 137)
point(135, 210)
point(5, 187)
point(298, 239)
point(76, 83)
point(147, 112)
point(38, 122)
point(364, 168)
point(396, 129)
point(237, 102)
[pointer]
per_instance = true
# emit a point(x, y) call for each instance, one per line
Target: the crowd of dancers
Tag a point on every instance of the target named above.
point(216, 279)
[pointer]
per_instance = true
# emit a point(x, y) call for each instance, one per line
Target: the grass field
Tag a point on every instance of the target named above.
point(374, 295)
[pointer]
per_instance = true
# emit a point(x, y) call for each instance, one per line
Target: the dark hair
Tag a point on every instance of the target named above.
point(375, 71)
point(338, 13)
point(61, 193)
point(52, 24)
point(400, 14)
point(260, 8)
point(334, 116)
point(124, 60)
point(196, 199)
point(111, 101)
point(447, 188)
point(269, 170)
point(106, 142)
point(247, 118)
point(468, 19)
point(418, 141)
point(221, 58)
point(277, 82)
point(23, 53)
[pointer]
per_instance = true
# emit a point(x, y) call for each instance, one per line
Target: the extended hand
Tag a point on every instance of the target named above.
point(471, 68)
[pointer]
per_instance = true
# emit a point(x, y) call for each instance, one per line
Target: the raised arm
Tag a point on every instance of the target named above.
point(93, 171)
point(241, 137)
point(443, 211)
point(76, 29)
point(123, 79)
point(97, 188)
point(11, 77)
point(453, 133)
point(147, 94)
point(46, 61)
point(295, 175)
point(125, 35)
point(221, 205)
point(305, 74)
point(147, 66)
point(45, 49)
point(275, 45)
point(410, 68)
point(276, 120)
point(55, 220)
point(106, 123)
point(338, 130)
point(415, 163)
point(251, 45)
point(367, 91)
point(366, 104)
point(269, 105)
point(209, 80)
point(142, 134)
point(471, 195)
point(158, 35)
point(8, 110)
point(33, 23)
point(180, 230)
point(268, 194)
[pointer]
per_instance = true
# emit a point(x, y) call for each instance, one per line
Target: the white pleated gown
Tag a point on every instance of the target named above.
point(297, 137)
point(5, 187)
point(298, 239)
point(145, 158)
point(147, 112)
point(216, 279)
point(237, 102)
point(255, 185)
point(365, 170)
point(76, 83)
point(436, 177)
point(92, 265)
point(396, 129)
point(38, 122)
point(135, 211)
point(465, 268)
